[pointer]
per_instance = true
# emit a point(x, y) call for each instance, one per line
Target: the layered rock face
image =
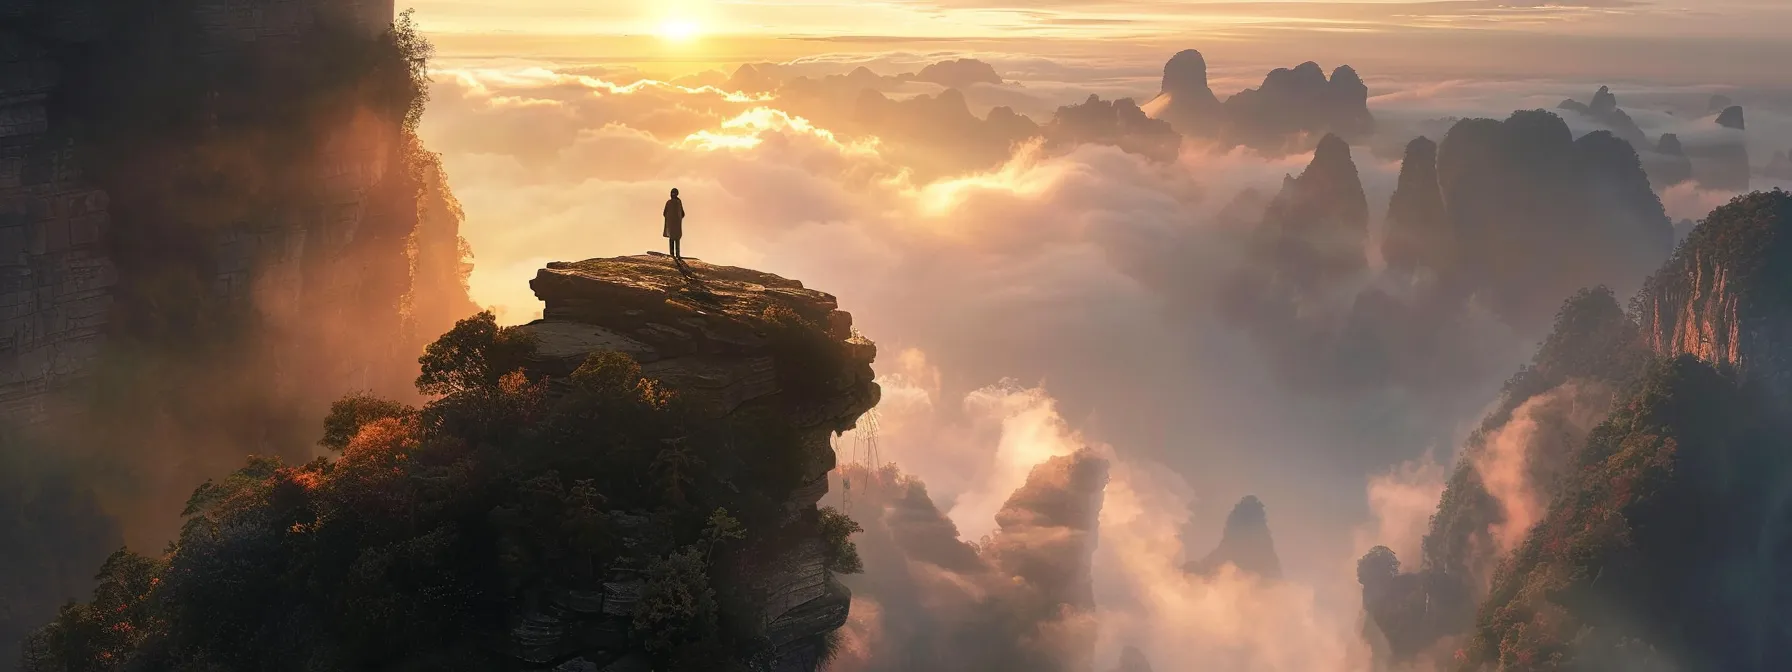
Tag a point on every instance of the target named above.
point(61, 261)
point(704, 331)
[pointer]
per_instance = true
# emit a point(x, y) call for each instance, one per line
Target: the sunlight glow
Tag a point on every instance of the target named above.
point(679, 31)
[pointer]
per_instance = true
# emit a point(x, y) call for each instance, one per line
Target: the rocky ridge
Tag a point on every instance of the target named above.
point(704, 331)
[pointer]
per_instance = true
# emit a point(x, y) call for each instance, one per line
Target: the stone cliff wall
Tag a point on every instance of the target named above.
point(705, 333)
point(58, 279)
point(1723, 296)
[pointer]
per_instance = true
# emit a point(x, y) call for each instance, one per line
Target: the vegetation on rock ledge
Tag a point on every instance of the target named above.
point(437, 529)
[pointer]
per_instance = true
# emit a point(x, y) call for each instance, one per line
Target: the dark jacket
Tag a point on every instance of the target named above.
point(674, 218)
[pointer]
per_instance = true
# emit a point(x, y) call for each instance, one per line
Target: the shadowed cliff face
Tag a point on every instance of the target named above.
point(1418, 233)
point(1538, 215)
point(224, 221)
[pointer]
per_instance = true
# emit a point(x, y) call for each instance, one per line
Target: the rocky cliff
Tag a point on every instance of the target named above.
point(628, 484)
point(710, 332)
point(1287, 113)
point(1722, 297)
point(214, 218)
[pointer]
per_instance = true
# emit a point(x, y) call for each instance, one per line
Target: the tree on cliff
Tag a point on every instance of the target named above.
point(438, 533)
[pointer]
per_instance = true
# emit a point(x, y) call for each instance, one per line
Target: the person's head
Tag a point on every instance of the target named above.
point(675, 193)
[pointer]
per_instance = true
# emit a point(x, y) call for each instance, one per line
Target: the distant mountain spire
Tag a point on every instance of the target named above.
point(1246, 544)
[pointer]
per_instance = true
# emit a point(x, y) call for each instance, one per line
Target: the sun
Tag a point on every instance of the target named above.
point(679, 31)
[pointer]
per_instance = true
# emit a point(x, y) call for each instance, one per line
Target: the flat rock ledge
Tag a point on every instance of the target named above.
point(702, 329)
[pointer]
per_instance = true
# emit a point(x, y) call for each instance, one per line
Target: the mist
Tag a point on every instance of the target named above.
point(1053, 301)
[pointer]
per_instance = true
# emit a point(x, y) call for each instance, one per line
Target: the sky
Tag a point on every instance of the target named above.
point(1667, 39)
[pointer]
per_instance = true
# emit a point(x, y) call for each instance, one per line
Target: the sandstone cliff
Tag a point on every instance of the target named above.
point(704, 331)
point(1720, 298)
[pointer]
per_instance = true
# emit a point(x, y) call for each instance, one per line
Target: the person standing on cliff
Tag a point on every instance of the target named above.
point(675, 223)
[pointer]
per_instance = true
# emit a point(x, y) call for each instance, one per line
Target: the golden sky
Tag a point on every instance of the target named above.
point(1667, 38)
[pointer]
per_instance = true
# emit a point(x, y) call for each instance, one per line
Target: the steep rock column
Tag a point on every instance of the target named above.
point(713, 334)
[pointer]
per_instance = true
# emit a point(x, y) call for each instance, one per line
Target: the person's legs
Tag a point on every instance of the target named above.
point(672, 246)
point(677, 248)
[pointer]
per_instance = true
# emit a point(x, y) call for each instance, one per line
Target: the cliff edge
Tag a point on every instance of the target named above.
point(629, 484)
point(736, 343)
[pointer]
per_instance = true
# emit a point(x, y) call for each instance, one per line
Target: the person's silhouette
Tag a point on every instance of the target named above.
point(675, 222)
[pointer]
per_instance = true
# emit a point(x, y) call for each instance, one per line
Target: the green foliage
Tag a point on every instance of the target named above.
point(608, 372)
point(1593, 340)
point(1636, 557)
point(810, 362)
point(473, 355)
point(829, 649)
point(842, 556)
point(348, 415)
point(437, 529)
point(722, 527)
point(1748, 240)
point(1378, 565)
point(678, 606)
point(102, 634)
point(415, 51)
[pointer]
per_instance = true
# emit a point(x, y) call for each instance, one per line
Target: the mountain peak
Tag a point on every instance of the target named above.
point(1245, 544)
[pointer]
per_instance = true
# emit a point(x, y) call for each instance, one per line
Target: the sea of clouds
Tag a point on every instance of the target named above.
point(1028, 310)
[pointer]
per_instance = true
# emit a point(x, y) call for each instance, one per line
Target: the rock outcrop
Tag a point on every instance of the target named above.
point(1188, 102)
point(1722, 297)
point(1732, 117)
point(1287, 113)
point(1692, 458)
point(711, 333)
point(1594, 347)
point(1317, 229)
point(1300, 101)
point(1668, 165)
point(961, 73)
point(1118, 123)
point(1538, 214)
point(1246, 544)
point(939, 603)
point(1605, 112)
point(1418, 231)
